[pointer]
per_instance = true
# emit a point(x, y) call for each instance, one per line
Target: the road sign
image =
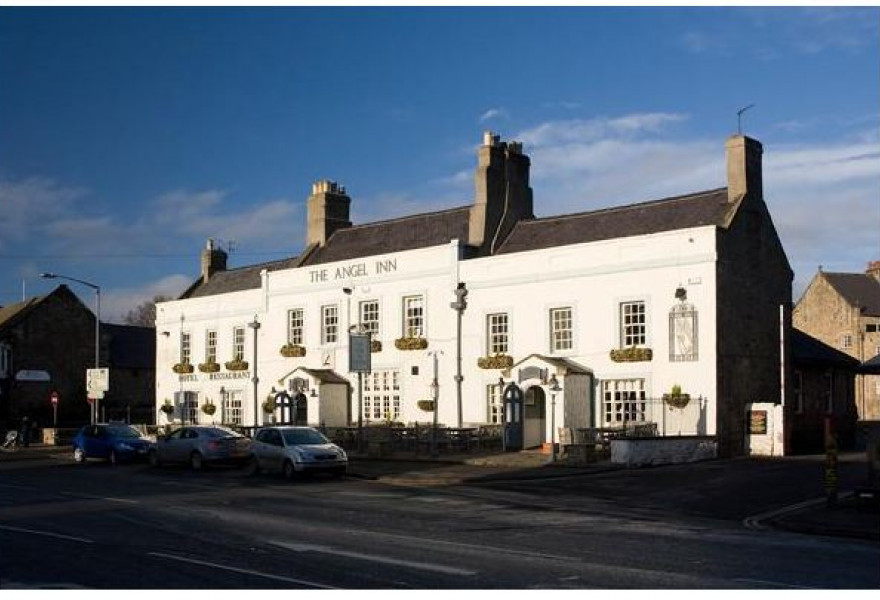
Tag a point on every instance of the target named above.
point(97, 380)
point(54, 398)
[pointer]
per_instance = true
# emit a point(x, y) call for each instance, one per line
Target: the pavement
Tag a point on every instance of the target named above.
point(853, 515)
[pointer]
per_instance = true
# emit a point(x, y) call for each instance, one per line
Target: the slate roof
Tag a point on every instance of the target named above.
point(807, 350)
point(394, 235)
point(437, 228)
point(679, 212)
point(858, 289)
point(14, 313)
point(872, 366)
point(236, 280)
point(9, 315)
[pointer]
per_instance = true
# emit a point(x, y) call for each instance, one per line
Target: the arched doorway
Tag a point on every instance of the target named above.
point(534, 417)
point(292, 410)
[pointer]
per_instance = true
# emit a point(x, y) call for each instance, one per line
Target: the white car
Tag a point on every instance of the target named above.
point(294, 450)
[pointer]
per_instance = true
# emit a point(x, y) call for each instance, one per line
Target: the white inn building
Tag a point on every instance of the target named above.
point(668, 313)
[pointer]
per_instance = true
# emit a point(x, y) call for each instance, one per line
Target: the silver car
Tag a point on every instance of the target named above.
point(293, 450)
point(199, 445)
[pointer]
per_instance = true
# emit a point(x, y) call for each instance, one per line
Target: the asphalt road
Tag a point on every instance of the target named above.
point(96, 526)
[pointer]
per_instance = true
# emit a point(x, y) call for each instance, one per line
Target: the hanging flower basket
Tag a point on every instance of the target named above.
point(375, 346)
point(498, 361)
point(167, 408)
point(632, 354)
point(426, 405)
point(237, 365)
point(183, 368)
point(269, 405)
point(293, 351)
point(675, 398)
point(209, 367)
point(209, 409)
point(411, 343)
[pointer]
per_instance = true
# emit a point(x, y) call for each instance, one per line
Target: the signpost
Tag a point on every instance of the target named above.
point(360, 362)
point(97, 382)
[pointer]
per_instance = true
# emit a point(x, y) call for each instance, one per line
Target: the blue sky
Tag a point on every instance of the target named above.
point(130, 135)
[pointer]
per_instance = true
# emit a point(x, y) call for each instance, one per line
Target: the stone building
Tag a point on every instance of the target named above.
point(621, 306)
point(843, 311)
point(46, 345)
point(823, 386)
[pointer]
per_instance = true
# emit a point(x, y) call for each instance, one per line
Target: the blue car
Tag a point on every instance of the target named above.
point(113, 442)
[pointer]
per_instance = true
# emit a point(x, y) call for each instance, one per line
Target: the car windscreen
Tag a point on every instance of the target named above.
point(294, 437)
point(123, 431)
point(220, 432)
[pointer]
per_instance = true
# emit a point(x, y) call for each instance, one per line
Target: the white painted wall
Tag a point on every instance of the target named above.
point(592, 278)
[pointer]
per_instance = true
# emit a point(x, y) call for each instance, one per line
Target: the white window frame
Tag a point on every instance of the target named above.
point(414, 321)
point(232, 411)
point(381, 395)
point(188, 406)
point(370, 315)
point(296, 323)
point(624, 401)
point(631, 323)
point(494, 404)
point(497, 333)
point(211, 346)
point(185, 347)
point(329, 324)
point(238, 338)
point(846, 341)
point(558, 334)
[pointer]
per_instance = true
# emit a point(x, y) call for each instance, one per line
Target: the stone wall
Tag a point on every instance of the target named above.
point(754, 279)
point(662, 451)
point(827, 316)
point(57, 336)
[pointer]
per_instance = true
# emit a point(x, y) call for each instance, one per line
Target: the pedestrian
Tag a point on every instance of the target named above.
point(25, 432)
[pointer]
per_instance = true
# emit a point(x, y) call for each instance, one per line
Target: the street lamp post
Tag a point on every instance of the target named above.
point(255, 325)
point(459, 307)
point(554, 388)
point(97, 289)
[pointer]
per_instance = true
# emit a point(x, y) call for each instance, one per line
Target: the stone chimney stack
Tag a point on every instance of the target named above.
point(503, 195)
point(873, 269)
point(213, 260)
point(328, 210)
point(744, 176)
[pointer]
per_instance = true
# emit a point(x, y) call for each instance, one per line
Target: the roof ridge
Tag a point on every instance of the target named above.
point(623, 207)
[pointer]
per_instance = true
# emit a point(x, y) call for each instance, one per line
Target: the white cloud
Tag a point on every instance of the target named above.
point(824, 196)
point(30, 203)
point(116, 302)
point(774, 32)
point(493, 113)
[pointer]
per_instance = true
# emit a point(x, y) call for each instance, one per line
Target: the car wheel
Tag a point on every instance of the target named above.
point(253, 466)
point(196, 461)
point(339, 473)
point(154, 459)
point(289, 470)
point(78, 455)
